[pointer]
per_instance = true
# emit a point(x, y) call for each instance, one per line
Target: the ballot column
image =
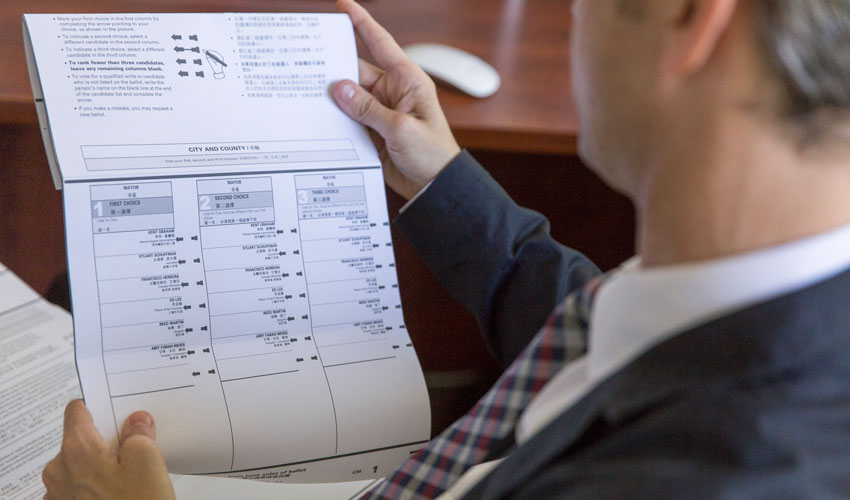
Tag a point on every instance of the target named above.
point(355, 310)
point(260, 328)
point(156, 354)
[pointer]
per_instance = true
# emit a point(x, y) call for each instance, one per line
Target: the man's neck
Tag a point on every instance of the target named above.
point(739, 188)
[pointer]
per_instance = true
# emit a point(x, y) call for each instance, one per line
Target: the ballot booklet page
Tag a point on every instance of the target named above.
point(228, 241)
point(37, 380)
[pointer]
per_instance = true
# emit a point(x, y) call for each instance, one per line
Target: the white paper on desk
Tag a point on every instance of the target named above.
point(230, 258)
point(218, 488)
point(37, 380)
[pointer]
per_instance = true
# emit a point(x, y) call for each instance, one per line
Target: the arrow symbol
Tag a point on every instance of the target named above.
point(372, 225)
point(293, 230)
point(203, 329)
point(280, 231)
point(190, 352)
point(299, 273)
point(176, 37)
point(381, 287)
point(199, 74)
point(299, 359)
point(287, 297)
point(395, 347)
point(193, 37)
point(181, 261)
point(302, 295)
point(203, 306)
point(285, 275)
point(293, 340)
point(184, 284)
point(388, 328)
point(196, 50)
point(183, 73)
point(194, 238)
point(206, 349)
point(304, 317)
point(409, 345)
point(179, 238)
point(197, 61)
point(200, 283)
point(196, 374)
point(314, 357)
point(186, 308)
point(197, 261)
point(291, 318)
point(179, 49)
point(297, 252)
point(211, 372)
point(189, 330)
point(281, 253)
point(181, 61)
point(308, 338)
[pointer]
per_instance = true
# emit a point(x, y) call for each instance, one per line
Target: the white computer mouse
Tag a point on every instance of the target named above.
point(460, 69)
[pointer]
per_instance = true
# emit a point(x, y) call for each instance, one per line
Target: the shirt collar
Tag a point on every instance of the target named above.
point(637, 308)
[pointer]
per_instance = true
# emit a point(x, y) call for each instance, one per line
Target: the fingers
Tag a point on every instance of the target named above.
point(380, 43)
point(79, 426)
point(52, 476)
point(362, 106)
point(369, 74)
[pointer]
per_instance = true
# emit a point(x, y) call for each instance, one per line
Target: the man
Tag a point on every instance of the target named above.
point(716, 364)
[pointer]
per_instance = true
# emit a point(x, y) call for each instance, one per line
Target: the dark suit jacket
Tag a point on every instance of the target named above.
point(755, 404)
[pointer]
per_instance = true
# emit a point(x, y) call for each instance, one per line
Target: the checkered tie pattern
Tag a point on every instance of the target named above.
point(433, 469)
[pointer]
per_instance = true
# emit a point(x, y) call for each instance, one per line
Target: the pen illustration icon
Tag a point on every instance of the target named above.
point(217, 63)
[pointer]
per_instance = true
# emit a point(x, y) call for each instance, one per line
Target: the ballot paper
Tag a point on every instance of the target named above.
point(37, 380)
point(229, 249)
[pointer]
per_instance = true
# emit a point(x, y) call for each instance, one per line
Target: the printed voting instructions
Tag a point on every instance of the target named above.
point(229, 247)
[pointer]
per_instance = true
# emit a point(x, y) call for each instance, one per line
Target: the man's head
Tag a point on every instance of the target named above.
point(655, 75)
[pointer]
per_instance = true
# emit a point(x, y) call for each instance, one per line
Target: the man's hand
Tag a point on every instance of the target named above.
point(398, 101)
point(87, 468)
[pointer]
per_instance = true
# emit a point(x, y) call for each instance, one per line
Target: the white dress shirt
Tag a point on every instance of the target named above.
point(637, 308)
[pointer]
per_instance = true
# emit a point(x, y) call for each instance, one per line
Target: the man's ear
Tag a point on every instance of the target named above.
point(696, 28)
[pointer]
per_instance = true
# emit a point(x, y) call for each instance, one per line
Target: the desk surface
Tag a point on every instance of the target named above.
point(527, 42)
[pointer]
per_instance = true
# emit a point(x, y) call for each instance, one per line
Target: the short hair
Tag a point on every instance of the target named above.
point(807, 45)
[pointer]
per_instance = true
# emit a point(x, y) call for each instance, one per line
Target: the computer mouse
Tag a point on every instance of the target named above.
point(458, 68)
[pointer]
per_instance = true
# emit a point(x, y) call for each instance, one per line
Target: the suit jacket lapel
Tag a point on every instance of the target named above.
point(783, 333)
point(523, 462)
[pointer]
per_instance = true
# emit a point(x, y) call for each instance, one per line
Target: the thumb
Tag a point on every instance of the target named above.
point(139, 423)
point(138, 448)
point(362, 106)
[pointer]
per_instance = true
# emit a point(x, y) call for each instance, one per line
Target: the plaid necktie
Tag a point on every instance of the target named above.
point(432, 470)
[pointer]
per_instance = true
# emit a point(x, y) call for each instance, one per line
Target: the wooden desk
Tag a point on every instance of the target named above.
point(525, 40)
